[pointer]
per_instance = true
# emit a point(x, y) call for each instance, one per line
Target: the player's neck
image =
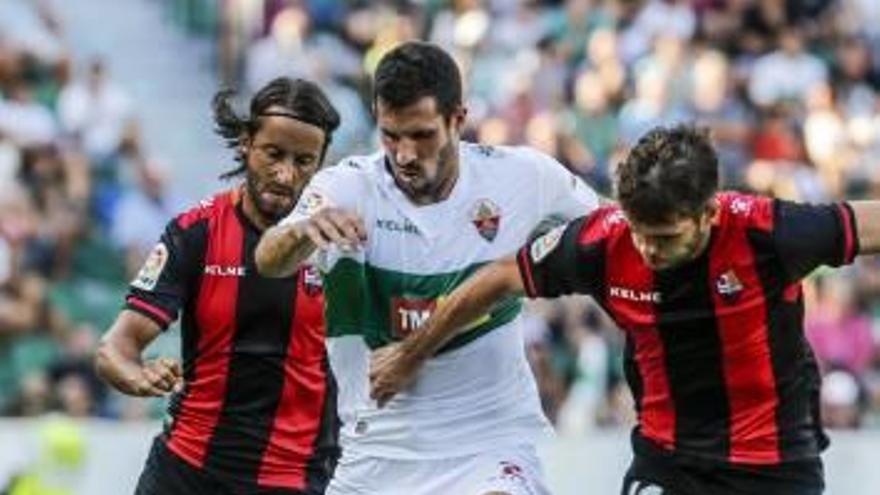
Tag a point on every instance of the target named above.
point(250, 210)
point(441, 190)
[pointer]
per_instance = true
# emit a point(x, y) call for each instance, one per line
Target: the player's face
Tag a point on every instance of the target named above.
point(282, 156)
point(669, 244)
point(421, 146)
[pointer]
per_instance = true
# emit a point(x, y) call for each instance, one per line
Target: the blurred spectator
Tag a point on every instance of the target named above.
point(286, 51)
point(674, 18)
point(98, 114)
point(142, 214)
point(649, 107)
point(714, 105)
point(786, 75)
point(839, 327)
point(24, 120)
point(842, 401)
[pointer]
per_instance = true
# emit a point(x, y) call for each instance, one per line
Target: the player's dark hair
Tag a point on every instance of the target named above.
point(671, 172)
point(414, 70)
point(296, 98)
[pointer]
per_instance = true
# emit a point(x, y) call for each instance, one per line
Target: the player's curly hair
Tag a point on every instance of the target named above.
point(414, 70)
point(671, 172)
point(295, 98)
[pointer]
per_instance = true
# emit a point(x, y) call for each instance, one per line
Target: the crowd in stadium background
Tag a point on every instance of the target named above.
point(790, 89)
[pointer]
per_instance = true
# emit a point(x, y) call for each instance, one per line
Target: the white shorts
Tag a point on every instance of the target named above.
point(514, 471)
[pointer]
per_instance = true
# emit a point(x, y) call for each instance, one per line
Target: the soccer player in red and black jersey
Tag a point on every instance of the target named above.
point(253, 406)
point(706, 286)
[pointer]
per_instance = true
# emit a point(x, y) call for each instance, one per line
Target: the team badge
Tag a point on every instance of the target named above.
point(486, 217)
point(728, 286)
point(149, 274)
point(542, 246)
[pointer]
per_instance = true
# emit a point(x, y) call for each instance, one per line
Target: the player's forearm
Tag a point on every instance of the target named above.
point(867, 215)
point(119, 364)
point(466, 304)
point(281, 250)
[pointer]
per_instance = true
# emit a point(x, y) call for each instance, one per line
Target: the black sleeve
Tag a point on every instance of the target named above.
point(807, 236)
point(557, 263)
point(161, 286)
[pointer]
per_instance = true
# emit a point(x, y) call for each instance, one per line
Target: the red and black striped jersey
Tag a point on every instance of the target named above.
point(258, 405)
point(715, 351)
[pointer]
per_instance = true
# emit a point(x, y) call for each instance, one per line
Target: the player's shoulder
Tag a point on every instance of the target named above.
point(508, 156)
point(605, 222)
point(207, 208)
point(742, 210)
point(350, 170)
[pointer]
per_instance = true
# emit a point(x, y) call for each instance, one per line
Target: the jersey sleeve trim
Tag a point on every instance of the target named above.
point(525, 271)
point(158, 315)
point(851, 240)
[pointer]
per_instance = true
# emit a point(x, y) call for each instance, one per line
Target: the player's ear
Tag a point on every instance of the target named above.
point(457, 118)
point(712, 210)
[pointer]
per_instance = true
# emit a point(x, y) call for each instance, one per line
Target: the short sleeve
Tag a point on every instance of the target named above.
point(561, 193)
point(335, 186)
point(807, 236)
point(161, 286)
point(557, 264)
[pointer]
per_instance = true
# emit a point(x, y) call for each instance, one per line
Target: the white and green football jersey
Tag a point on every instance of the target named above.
point(478, 392)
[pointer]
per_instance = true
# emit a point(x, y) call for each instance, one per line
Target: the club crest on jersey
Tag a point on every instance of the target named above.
point(728, 286)
point(312, 284)
point(545, 244)
point(486, 217)
point(149, 274)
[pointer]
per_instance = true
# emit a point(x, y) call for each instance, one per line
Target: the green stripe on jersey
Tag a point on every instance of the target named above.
point(385, 305)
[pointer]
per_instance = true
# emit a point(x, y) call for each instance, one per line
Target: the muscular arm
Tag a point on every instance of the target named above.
point(393, 370)
point(281, 250)
point(284, 247)
point(867, 215)
point(118, 358)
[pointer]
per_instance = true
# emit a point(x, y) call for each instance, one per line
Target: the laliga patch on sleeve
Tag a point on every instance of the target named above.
point(545, 244)
point(149, 274)
point(310, 202)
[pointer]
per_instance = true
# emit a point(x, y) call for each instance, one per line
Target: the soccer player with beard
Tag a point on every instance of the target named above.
point(397, 231)
point(253, 407)
point(706, 286)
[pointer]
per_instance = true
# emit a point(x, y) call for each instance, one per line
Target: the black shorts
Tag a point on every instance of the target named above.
point(667, 474)
point(167, 474)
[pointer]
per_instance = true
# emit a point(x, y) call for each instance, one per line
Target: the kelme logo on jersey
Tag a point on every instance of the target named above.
point(728, 286)
point(486, 217)
point(149, 274)
point(403, 225)
point(225, 271)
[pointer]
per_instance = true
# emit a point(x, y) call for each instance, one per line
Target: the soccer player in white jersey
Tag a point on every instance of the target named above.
point(395, 232)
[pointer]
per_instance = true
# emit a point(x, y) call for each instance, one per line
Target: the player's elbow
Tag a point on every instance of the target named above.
point(503, 278)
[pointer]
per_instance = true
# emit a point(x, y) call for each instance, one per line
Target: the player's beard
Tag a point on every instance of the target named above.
point(423, 189)
point(692, 249)
point(272, 214)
